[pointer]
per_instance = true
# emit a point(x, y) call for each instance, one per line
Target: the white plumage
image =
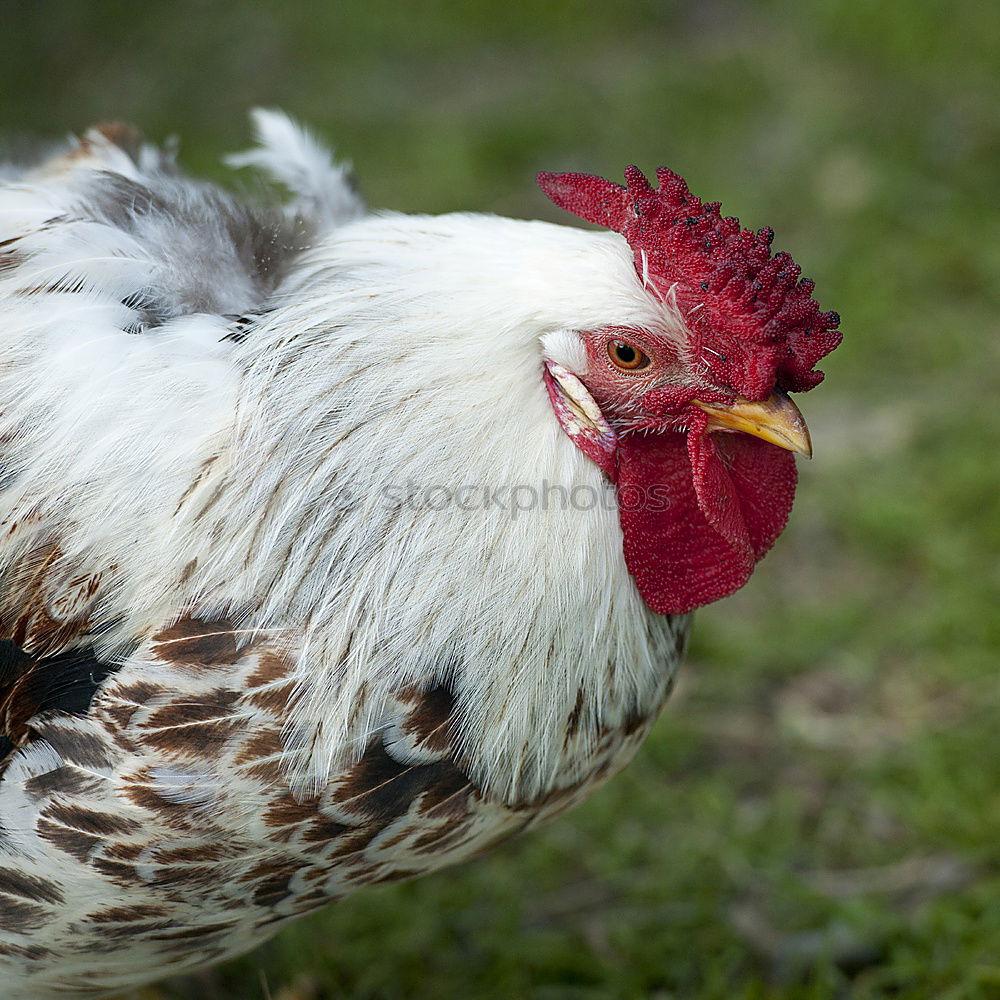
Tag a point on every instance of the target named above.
point(218, 414)
point(305, 585)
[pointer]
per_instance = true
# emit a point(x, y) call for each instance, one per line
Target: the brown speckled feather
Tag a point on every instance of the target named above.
point(169, 804)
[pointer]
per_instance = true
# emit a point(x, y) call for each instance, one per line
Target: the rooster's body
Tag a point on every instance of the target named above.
point(304, 584)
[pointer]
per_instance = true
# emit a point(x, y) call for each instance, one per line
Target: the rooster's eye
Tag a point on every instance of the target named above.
point(627, 357)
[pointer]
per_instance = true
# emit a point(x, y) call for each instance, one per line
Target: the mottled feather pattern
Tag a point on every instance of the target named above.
point(170, 800)
point(235, 682)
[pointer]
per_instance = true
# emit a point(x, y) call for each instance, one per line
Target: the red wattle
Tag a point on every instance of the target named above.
point(697, 511)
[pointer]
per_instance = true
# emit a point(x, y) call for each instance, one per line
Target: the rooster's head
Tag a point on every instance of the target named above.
point(690, 417)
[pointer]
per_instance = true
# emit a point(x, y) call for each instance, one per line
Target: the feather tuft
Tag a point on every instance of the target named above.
point(322, 190)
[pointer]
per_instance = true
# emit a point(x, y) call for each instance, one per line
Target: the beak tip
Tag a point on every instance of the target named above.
point(776, 420)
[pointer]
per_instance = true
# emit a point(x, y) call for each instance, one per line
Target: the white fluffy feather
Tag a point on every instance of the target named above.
point(322, 189)
point(259, 475)
point(331, 428)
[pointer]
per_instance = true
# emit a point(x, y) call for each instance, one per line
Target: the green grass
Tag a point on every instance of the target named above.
point(817, 814)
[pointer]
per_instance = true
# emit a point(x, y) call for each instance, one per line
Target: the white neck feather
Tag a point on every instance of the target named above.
point(406, 359)
point(184, 471)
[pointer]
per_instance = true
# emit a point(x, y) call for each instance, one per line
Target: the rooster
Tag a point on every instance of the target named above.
point(339, 547)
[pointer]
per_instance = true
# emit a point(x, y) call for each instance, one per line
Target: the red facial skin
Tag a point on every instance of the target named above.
point(657, 397)
point(697, 509)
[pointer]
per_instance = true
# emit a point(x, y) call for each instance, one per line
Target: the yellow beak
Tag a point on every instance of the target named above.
point(777, 419)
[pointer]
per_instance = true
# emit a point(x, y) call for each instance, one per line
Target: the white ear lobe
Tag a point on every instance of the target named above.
point(565, 348)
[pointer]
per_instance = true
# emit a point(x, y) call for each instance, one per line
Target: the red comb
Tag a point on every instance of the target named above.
point(753, 308)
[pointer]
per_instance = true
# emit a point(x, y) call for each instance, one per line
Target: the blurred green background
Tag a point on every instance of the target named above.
point(817, 814)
